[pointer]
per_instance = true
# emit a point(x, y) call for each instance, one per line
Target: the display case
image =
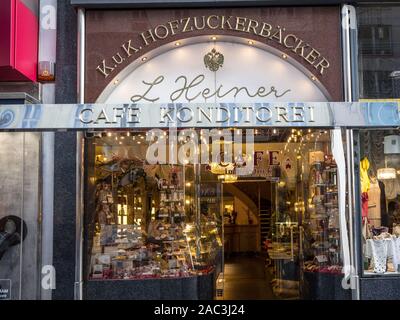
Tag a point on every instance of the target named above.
point(305, 248)
point(321, 236)
point(203, 245)
point(143, 221)
point(139, 233)
point(380, 201)
point(283, 251)
point(321, 252)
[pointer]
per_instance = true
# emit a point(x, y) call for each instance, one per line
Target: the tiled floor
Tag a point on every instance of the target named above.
point(245, 278)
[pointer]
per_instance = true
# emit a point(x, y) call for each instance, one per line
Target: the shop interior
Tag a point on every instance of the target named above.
point(272, 233)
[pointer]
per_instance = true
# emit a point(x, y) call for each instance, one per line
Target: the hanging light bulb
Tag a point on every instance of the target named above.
point(386, 173)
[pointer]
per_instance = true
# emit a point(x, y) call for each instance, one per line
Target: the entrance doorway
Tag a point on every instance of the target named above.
point(281, 224)
point(247, 221)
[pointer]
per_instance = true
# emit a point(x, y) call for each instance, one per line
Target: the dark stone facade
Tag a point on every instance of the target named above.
point(65, 156)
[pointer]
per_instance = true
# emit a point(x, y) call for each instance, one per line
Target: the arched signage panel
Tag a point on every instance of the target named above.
point(214, 72)
point(126, 36)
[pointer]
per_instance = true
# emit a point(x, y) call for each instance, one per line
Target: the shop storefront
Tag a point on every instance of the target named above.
point(227, 58)
point(203, 134)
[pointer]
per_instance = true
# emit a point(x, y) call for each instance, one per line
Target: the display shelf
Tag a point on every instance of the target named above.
point(320, 232)
point(153, 243)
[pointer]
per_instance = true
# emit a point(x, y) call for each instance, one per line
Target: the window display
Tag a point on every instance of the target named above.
point(380, 200)
point(145, 223)
point(312, 203)
point(306, 248)
point(321, 225)
point(166, 221)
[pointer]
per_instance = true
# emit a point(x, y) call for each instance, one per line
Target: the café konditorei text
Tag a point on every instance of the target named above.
point(87, 116)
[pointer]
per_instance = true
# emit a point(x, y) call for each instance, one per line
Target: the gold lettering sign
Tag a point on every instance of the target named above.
point(266, 33)
point(191, 90)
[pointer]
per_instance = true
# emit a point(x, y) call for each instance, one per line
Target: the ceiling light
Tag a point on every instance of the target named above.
point(250, 42)
point(177, 43)
point(284, 56)
point(213, 38)
point(386, 173)
point(313, 78)
point(144, 58)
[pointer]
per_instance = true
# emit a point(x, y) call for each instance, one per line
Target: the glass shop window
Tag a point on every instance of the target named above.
point(379, 51)
point(376, 39)
point(143, 220)
point(380, 200)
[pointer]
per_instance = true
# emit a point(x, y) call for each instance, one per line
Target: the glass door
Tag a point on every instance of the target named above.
point(283, 251)
point(309, 234)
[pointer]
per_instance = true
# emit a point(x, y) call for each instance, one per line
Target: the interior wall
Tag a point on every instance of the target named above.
point(243, 212)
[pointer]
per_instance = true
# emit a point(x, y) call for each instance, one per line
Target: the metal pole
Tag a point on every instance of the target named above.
point(346, 55)
point(79, 161)
point(47, 204)
point(355, 226)
point(81, 55)
point(350, 53)
point(350, 78)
